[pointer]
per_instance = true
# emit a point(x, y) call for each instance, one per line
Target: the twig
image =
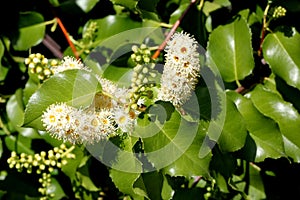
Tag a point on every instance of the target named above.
point(196, 181)
point(263, 31)
point(175, 26)
point(52, 46)
point(67, 37)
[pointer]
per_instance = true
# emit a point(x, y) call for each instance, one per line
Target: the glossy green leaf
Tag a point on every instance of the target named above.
point(19, 144)
point(1, 148)
point(190, 193)
point(229, 48)
point(283, 113)
point(75, 87)
point(30, 87)
point(224, 163)
point(209, 7)
point(56, 189)
point(3, 70)
point(120, 75)
point(130, 4)
point(149, 5)
point(15, 109)
point(15, 113)
point(86, 5)
point(112, 25)
point(234, 131)
point(148, 10)
point(167, 190)
point(282, 54)
point(150, 185)
point(112, 49)
point(30, 35)
point(175, 145)
point(257, 188)
point(254, 185)
point(117, 153)
point(263, 130)
point(86, 182)
point(125, 168)
point(72, 166)
point(124, 181)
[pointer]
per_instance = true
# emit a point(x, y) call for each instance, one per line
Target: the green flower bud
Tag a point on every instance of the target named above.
point(135, 48)
point(64, 162)
point(279, 12)
point(42, 167)
point(143, 46)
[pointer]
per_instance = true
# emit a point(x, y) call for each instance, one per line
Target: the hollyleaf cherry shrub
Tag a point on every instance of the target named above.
point(135, 108)
point(115, 109)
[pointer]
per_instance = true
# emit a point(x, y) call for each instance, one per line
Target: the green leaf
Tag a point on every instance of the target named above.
point(282, 54)
point(19, 144)
point(114, 24)
point(124, 181)
point(175, 145)
point(30, 87)
point(263, 130)
point(234, 131)
point(15, 113)
point(56, 189)
point(3, 71)
point(153, 182)
point(209, 7)
point(120, 75)
point(1, 148)
point(86, 182)
point(86, 5)
point(149, 5)
point(113, 46)
point(75, 87)
point(224, 163)
point(257, 189)
point(287, 117)
point(15, 109)
point(117, 153)
point(191, 193)
point(229, 48)
point(71, 167)
point(130, 4)
point(30, 35)
point(167, 191)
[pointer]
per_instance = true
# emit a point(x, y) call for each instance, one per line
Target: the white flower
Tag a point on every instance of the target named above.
point(140, 101)
point(107, 85)
point(125, 120)
point(60, 121)
point(181, 70)
point(113, 95)
point(68, 63)
point(74, 125)
point(95, 126)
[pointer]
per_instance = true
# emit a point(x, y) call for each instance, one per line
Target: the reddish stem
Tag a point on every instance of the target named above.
point(174, 27)
point(262, 37)
point(67, 37)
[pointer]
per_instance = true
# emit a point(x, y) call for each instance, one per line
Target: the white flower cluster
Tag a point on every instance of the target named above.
point(110, 113)
point(68, 63)
point(76, 125)
point(181, 69)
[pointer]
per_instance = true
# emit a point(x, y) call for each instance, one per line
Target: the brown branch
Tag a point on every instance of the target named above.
point(174, 27)
point(196, 181)
point(263, 30)
point(67, 37)
point(52, 46)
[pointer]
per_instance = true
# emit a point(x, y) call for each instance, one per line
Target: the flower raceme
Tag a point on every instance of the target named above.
point(181, 69)
point(115, 109)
